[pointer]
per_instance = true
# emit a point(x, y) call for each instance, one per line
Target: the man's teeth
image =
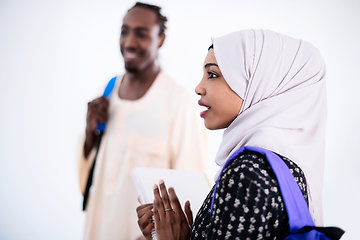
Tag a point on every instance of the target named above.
point(130, 55)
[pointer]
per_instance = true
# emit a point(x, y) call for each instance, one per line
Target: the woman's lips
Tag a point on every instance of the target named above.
point(202, 114)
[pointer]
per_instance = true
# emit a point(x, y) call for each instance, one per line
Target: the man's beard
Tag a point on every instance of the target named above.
point(131, 69)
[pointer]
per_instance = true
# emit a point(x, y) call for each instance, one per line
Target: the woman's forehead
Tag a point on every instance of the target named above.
point(210, 57)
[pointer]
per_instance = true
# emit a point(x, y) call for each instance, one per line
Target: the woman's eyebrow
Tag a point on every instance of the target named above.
point(210, 64)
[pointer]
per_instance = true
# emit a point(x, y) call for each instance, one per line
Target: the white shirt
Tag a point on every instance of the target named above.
point(161, 129)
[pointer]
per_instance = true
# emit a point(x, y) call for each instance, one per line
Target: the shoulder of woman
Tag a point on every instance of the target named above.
point(248, 168)
point(247, 160)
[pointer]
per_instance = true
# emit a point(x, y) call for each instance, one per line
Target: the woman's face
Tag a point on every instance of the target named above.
point(222, 103)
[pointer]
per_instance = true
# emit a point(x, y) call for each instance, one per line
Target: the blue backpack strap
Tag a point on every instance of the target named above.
point(109, 87)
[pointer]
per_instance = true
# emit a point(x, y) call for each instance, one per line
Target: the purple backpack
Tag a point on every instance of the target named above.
point(300, 221)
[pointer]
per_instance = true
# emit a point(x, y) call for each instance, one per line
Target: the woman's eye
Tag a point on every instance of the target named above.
point(212, 75)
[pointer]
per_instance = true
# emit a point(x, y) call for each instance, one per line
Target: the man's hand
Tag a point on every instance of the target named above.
point(97, 112)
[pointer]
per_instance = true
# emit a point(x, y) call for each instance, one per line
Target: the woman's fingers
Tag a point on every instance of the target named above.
point(147, 231)
point(189, 213)
point(165, 197)
point(144, 208)
point(145, 220)
point(145, 213)
point(175, 202)
point(170, 224)
point(158, 205)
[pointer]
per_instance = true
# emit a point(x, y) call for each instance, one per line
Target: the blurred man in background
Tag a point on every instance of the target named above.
point(151, 121)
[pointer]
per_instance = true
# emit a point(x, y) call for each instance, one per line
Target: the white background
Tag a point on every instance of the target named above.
point(55, 56)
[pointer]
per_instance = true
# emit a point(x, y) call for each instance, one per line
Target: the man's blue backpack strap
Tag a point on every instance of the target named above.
point(301, 225)
point(101, 129)
point(110, 86)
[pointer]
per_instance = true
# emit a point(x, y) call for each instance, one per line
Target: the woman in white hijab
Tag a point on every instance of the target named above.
point(268, 90)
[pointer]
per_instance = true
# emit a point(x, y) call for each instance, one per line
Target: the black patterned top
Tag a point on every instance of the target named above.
point(248, 203)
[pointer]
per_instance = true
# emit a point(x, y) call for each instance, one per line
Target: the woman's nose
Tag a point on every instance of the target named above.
point(199, 89)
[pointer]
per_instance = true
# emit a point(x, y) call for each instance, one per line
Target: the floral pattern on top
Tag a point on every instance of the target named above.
point(248, 203)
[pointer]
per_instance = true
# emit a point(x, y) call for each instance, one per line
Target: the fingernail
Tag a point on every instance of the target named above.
point(155, 186)
point(161, 181)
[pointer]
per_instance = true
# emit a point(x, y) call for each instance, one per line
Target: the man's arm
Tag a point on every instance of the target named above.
point(97, 112)
point(89, 142)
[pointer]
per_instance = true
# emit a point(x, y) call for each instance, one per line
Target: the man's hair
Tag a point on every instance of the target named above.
point(161, 20)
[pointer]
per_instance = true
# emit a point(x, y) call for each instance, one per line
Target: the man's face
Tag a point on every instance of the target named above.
point(139, 39)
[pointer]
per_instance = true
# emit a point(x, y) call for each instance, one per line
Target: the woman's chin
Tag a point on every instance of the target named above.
point(212, 126)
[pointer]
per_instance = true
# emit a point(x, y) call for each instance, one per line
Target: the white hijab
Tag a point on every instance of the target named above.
point(282, 83)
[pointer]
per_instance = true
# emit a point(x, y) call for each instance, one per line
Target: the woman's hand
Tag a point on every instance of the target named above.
point(170, 220)
point(145, 213)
